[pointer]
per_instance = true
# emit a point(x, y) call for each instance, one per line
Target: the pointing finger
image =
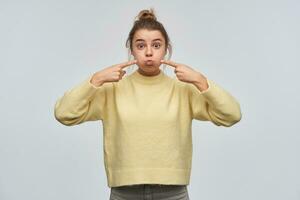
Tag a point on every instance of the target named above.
point(171, 63)
point(125, 64)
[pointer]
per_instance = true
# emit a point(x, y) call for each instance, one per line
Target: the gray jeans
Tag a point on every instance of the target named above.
point(149, 192)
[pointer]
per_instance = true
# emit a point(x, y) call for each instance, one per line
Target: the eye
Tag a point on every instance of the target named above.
point(157, 45)
point(139, 46)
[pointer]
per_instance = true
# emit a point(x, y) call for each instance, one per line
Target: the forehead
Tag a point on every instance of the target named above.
point(148, 35)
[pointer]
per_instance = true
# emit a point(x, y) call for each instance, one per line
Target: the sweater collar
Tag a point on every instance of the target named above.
point(136, 76)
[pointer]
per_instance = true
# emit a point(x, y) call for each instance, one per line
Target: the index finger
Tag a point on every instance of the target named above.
point(125, 64)
point(171, 63)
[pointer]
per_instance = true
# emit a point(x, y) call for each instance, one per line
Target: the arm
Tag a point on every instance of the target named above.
point(214, 104)
point(85, 102)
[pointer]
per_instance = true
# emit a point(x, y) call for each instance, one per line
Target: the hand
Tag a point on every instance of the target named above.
point(113, 73)
point(187, 74)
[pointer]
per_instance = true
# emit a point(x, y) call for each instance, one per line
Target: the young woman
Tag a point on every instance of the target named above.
point(147, 115)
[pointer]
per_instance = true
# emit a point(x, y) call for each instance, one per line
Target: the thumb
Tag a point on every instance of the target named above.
point(123, 73)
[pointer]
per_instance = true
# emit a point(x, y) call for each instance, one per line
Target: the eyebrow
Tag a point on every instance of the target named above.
point(144, 40)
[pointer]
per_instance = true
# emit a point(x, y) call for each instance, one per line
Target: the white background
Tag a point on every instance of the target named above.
point(250, 48)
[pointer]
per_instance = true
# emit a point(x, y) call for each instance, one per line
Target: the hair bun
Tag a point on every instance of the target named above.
point(146, 14)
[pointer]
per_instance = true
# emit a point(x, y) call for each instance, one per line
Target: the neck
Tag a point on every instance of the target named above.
point(148, 80)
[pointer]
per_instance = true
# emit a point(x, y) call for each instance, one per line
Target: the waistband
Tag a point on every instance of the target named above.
point(148, 188)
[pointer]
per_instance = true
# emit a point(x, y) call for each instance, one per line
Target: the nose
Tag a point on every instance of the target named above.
point(149, 52)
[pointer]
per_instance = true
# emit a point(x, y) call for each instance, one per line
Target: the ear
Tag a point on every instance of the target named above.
point(132, 53)
point(166, 51)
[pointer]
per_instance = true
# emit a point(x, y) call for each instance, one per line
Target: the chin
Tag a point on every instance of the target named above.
point(149, 69)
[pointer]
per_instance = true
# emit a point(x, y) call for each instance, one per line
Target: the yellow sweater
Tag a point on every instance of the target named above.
point(147, 123)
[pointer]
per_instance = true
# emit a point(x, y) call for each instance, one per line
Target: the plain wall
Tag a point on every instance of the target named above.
point(250, 48)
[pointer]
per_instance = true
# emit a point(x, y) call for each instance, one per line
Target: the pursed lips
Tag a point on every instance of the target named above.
point(149, 62)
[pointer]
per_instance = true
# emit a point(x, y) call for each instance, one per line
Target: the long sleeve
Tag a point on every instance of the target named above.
point(85, 102)
point(214, 104)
